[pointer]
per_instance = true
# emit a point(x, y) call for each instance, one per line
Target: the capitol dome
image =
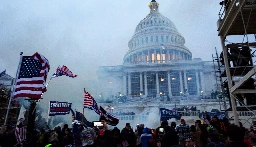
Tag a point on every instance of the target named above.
point(156, 40)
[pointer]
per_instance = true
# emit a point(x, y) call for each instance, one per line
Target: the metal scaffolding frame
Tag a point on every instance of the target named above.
point(237, 17)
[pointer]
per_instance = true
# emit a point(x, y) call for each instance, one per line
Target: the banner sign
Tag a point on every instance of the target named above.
point(220, 115)
point(59, 108)
point(168, 114)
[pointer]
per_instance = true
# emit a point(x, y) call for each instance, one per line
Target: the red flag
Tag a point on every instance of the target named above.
point(32, 76)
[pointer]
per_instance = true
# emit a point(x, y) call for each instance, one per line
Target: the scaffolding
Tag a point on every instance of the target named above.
point(238, 17)
point(218, 69)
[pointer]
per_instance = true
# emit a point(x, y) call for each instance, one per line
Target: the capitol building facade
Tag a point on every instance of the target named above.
point(157, 64)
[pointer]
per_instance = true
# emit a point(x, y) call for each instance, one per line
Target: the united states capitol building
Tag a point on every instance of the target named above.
point(158, 71)
point(158, 64)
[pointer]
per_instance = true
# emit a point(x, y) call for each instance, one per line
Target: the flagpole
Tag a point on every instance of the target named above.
point(83, 108)
point(83, 116)
point(14, 83)
point(48, 114)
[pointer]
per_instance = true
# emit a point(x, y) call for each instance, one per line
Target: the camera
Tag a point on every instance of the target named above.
point(161, 130)
point(97, 124)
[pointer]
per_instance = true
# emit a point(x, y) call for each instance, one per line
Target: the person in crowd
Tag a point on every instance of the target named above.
point(183, 131)
point(68, 138)
point(104, 135)
point(216, 123)
point(7, 136)
point(77, 128)
point(158, 143)
point(87, 137)
point(20, 132)
point(43, 138)
point(117, 140)
point(160, 131)
point(63, 130)
point(235, 137)
point(60, 135)
point(204, 134)
point(138, 134)
point(198, 123)
point(190, 141)
point(206, 117)
point(53, 138)
point(196, 133)
point(213, 139)
point(128, 136)
point(145, 137)
point(248, 138)
point(170, 138)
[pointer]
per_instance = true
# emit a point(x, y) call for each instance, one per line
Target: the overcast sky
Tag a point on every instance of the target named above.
point(86, 34)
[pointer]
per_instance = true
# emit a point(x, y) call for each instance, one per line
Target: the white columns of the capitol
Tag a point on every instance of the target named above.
point(161, 56)
point(197, 83)
point(186, 81)
point(202, 80)
point(167, 56)
point(124, 85)
point(143, 57)
point(155, 60)
point(157, 86)
point(129, 85)
point(169, 84)
point(181, 83)
point(145, 84)
point(141, 84)
point(149, 57)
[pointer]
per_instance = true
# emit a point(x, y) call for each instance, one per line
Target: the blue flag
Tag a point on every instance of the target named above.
point(168, 114)
point(59, 108)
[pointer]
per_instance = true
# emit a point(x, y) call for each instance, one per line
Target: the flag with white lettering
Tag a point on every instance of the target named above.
point(166, 114)
point(59, 108)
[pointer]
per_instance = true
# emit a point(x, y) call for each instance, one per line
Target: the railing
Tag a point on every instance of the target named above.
point(246, 113)
point(226, 3)
point(222, 10)
point(191, 113)
point(144, 117)
point(133, 117)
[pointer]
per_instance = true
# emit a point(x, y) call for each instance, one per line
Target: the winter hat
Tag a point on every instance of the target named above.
point(145, 130)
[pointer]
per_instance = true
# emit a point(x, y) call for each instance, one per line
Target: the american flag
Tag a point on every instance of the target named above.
point(32, 76)
point(5, 75)
point(90, 103)
point(20, 134)
point(60, 71)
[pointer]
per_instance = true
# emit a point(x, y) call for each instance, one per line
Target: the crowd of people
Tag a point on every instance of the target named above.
point(208, 132)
